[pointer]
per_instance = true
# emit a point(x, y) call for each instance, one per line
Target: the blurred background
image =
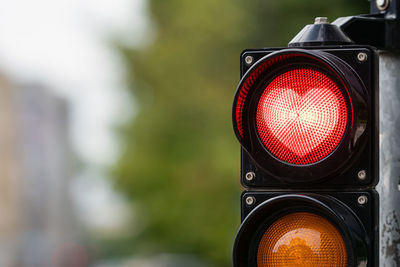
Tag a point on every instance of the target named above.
point(116, 144)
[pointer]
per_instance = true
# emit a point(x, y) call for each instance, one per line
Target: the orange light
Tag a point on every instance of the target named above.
point(302, 239)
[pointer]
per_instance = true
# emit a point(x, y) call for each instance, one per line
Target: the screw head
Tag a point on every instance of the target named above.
point(382, 4)
point(321, 20)
point(362, 57)
point(362, 175)
point(250, 201)
point(362, 200)
point(250, 176)
point(249, 60)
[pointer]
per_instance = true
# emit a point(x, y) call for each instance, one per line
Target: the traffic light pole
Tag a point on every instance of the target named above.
point(389, 185)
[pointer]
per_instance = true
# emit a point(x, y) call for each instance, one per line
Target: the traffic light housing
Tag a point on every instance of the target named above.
point(326, 153)
point(307, 121)
point(314, 216)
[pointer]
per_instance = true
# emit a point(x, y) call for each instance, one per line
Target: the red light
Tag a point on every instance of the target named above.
point(301, 116)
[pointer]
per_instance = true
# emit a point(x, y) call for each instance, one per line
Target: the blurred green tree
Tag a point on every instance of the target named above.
point(180, 160)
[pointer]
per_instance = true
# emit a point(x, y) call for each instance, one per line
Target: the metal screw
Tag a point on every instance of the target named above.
point(321, 20)
point(249, 60)
point(362, 175)
point(250, 176)
point(382, 4)
point(362, 57)
point(362, 200)
point(250, 201)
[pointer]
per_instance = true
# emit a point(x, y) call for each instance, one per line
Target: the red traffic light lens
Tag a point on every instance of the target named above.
point(302, 239)
point(301, 116)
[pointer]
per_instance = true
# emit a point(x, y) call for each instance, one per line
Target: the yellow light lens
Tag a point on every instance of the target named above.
point(302, 239)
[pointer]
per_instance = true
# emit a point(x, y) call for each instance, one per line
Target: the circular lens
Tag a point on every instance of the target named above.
point(302, 239)
point(301, 116)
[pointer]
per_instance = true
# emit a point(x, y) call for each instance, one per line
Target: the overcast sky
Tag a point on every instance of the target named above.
point(64, 45)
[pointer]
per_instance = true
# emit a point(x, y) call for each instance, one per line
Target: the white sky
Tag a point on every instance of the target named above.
point(63, 44)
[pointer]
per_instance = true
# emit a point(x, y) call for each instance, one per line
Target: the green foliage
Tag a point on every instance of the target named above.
point(180, 163)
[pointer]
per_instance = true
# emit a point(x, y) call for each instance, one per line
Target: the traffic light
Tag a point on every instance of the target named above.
point(306, 117)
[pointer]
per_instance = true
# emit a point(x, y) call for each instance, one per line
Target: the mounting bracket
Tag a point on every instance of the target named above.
point(380, 29)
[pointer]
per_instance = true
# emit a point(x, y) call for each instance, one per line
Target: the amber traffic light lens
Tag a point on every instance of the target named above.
point(302, 239)
point(301, 116)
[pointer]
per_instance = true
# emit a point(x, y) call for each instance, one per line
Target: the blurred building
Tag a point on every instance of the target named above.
point(37, 226)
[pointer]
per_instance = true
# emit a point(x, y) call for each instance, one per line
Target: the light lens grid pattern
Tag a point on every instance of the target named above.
point(302, 239)
point(248, 85)
point(301, 116)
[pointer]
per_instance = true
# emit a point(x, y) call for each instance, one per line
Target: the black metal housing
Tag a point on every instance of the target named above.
point(271, 173)
point(320, 34)
point(357, 223)
point(380, 29)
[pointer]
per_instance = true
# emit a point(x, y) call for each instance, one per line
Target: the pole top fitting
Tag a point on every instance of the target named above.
point(320, 33)
point(321, 20)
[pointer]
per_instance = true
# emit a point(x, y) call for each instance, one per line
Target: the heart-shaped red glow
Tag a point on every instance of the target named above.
point(301, 116)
